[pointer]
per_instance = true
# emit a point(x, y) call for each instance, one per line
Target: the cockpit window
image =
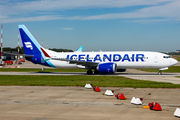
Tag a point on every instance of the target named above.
point(166, 56)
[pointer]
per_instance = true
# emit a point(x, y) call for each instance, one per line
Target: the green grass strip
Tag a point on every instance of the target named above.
point(102, 81)
point(171, 69)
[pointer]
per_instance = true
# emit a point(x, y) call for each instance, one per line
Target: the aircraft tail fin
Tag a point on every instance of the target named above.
point(79, 49)
point(32, 47)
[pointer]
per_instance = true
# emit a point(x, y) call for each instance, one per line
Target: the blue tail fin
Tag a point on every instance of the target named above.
point(80, 49)
point(32, 47)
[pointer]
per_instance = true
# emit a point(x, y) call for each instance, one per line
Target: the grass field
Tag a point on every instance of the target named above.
point(40, 70)
point(177, 57)
point(171, 69)
point(102, 81)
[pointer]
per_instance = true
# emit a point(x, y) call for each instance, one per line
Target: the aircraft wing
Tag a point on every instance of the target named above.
point(83, 63)
point(19, 54)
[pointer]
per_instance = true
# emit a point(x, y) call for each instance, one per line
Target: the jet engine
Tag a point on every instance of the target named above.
point(107, 67)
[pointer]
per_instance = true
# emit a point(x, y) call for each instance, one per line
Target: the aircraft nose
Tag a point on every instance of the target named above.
point(174, 61)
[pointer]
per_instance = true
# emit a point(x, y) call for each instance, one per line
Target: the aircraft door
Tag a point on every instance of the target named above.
point(156, 59)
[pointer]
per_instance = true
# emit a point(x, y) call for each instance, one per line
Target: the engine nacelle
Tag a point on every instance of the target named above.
point(121, 70)
point(107, 68)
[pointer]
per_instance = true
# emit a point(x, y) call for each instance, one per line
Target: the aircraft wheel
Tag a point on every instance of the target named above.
point(89, 72)
point(159, 73)
point(96, 71)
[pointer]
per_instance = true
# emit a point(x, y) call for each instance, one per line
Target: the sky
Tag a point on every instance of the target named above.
point(107, 25)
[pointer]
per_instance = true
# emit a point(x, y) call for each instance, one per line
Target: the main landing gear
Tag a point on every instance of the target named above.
point(159, 73)
point(90, 72)
point(96, 71)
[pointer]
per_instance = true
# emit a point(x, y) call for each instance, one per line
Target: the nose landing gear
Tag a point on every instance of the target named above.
point(160, 70)
point(159, 73)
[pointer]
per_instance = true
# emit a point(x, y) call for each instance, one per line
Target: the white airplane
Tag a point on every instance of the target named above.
point(100, 62)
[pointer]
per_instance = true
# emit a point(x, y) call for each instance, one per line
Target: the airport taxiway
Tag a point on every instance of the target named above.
point(78, 103)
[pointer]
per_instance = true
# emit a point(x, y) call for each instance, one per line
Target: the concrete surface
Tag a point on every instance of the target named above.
point(28, 64)
point(178, 64)
point(152, 76)
point(78, 103)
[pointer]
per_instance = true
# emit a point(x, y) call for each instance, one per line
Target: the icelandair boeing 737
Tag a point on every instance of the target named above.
point(99, 62)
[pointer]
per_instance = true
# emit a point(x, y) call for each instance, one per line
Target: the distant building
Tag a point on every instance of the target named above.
point(8, 56)
point(177, 51)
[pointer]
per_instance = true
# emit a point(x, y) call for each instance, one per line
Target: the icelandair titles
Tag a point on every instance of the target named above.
point(105, 57)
